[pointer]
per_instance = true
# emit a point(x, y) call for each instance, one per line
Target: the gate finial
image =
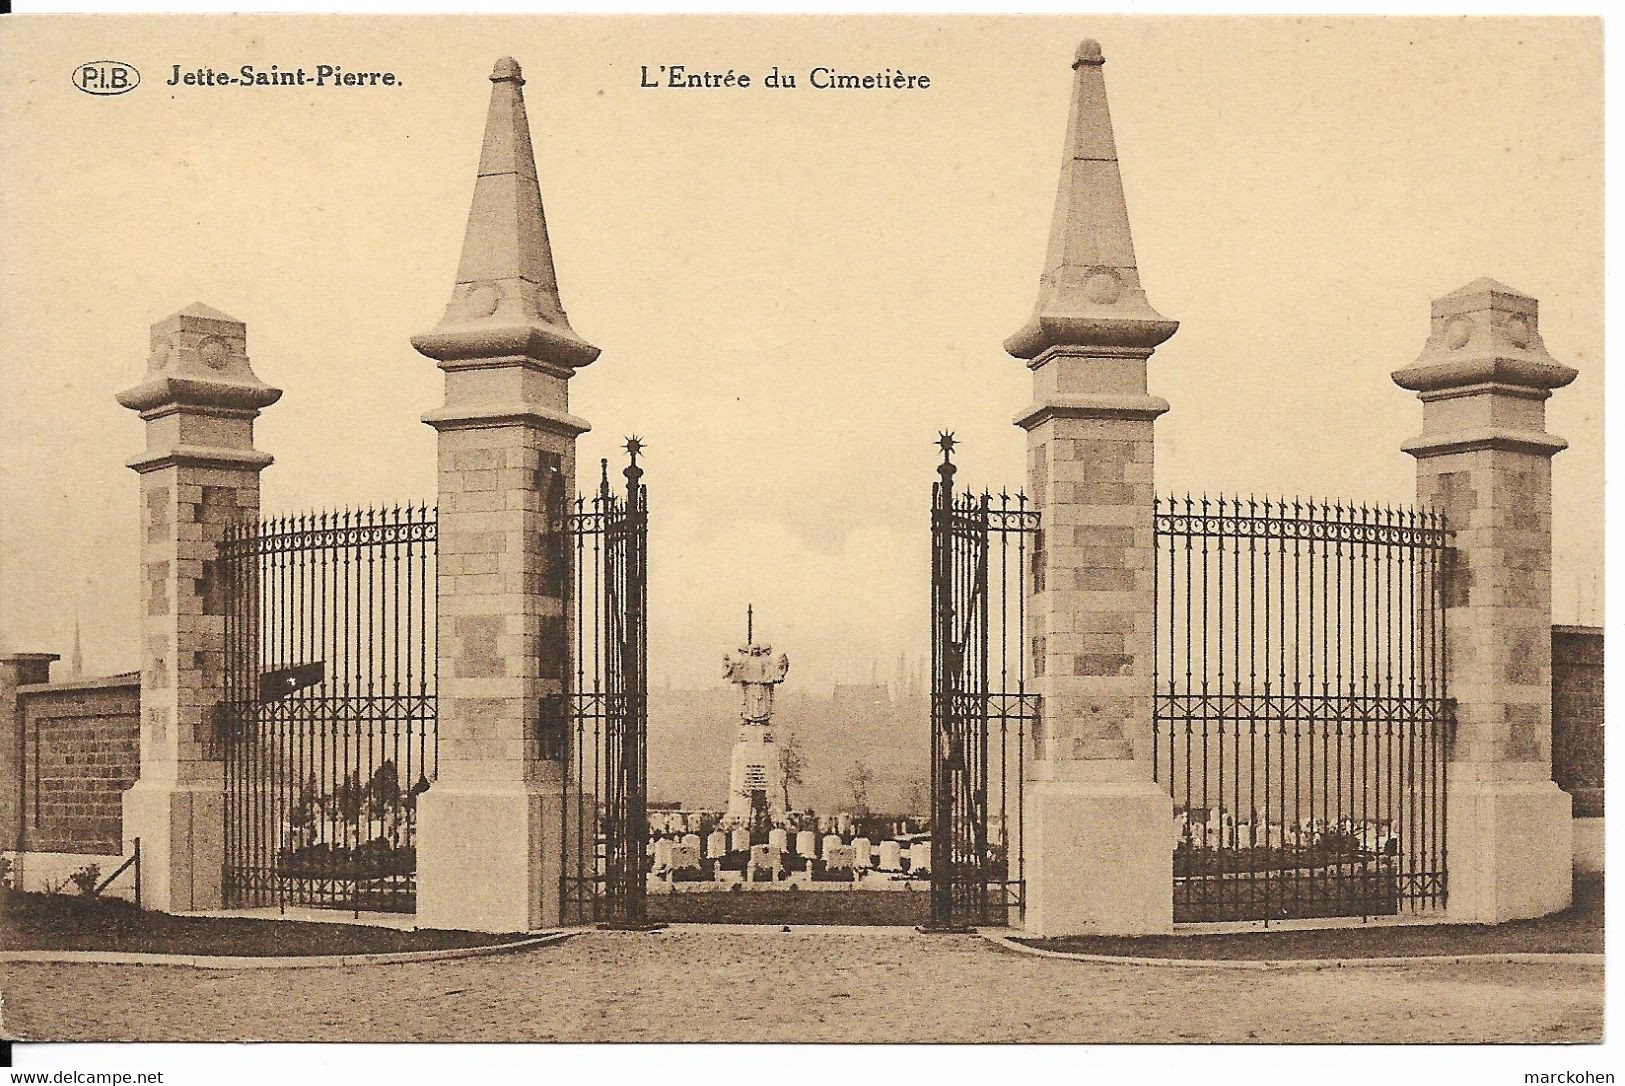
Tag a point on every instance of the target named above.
point(946, 469)
point(506, 299)
point(1089, 294)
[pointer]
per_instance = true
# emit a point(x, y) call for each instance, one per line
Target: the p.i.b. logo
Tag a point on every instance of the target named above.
point(106, 77)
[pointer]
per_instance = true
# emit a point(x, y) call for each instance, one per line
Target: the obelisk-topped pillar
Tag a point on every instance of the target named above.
point(1097, 825)
point(1483, 459)
point(489, 832)
point(199, 474)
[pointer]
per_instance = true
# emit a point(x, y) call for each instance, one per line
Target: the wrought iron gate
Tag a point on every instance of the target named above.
point(328, 727)
point(603, 718)
point(981, 710)
point(1302, 725)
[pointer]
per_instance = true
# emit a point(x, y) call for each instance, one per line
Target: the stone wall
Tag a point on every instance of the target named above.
point(80, 749)
point(1577, 728)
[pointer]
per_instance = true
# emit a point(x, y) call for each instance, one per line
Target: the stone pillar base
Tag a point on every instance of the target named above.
point(1099, 858)
point(182, 829)
point(1511, 850)
point(489, 857)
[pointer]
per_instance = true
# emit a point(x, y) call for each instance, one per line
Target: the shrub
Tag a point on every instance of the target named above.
point(821, 873)
point(6, 873)
point(761, 874)
point(86, 879)
point(734, 861)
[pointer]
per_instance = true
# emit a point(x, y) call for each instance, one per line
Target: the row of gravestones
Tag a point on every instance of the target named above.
point(685, 853)
point(679, 822)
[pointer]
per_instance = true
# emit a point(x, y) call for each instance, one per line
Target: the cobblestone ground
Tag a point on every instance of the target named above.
point(767, 985)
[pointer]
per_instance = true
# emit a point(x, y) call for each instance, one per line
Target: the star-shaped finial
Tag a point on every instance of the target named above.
point(634, 445)
point(946, 442)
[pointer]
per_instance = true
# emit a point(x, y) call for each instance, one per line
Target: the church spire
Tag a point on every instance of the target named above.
point(1089, 294)
point(506, 300)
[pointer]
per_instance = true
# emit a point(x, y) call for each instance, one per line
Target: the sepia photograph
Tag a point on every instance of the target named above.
point(851, 530)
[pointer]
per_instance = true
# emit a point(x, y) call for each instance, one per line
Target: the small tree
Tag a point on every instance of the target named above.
point(857, 783)
point(792, 764)
point(916, 802)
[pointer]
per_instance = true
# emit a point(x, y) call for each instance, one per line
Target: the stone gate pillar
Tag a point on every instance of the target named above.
point(489, 829)
point(1098, 838)
point(1484, 459)
point(200, 472)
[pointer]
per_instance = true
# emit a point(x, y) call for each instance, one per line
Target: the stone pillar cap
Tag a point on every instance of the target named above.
point(1484, 333)
point(1089, 294)
point(199, 358)
point(506, 299)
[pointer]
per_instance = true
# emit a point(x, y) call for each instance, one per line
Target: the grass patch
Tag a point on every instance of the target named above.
point(1578, 929)
point(58, 922)
point(874, 907)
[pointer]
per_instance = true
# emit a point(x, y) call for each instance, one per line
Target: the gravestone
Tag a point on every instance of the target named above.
point(684, 857)
point(765, 858)
point(863, 852)
point(716, 844)
point(807, 843)
point(739, 840)
point(891, 856)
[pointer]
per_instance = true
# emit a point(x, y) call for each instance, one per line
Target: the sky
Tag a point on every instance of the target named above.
point(794, 290)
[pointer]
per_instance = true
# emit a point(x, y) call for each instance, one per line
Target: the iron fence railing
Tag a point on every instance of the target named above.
point(1301, 718)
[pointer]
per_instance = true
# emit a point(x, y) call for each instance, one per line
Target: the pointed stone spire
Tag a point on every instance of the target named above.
point(1089, 294)
point(506, 301)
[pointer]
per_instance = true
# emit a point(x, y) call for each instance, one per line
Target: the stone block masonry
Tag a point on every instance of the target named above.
point(1577, 716)
point(490, 827)
point(81, 750)
point(199, 473)
point(1484, 460)
point(1090, 455)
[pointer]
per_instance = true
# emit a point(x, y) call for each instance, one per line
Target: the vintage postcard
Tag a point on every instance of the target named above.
point(855, 529)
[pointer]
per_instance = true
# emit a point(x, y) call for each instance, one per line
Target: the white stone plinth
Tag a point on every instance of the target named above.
point(181, 828)
point(489, 857)
point(1511, 850)
point(1098, 858)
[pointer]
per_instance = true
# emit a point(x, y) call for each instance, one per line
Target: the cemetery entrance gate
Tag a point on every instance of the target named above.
point(599, 727)
point(328, 726)
point(981, 709)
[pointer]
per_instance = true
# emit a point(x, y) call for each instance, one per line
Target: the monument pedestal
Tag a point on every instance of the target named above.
point(1099, 858)
point(1511, 850)
point(490, 856)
